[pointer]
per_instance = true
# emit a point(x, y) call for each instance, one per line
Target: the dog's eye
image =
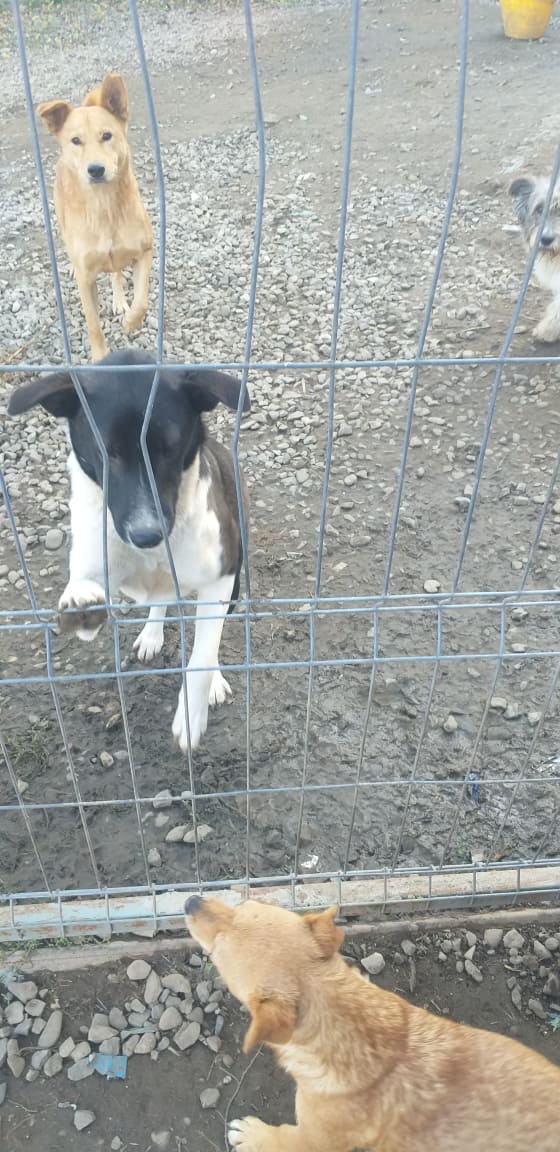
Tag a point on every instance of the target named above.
point(76, 140)
point(107, 136)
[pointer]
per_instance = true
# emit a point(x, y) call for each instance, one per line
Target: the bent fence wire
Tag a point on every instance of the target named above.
point(261, 809)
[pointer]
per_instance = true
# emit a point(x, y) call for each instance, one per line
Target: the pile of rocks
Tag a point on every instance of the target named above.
point(169, 1012)
point(532, 959)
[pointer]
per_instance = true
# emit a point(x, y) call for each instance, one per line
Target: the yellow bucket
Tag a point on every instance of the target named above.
point(526, 19)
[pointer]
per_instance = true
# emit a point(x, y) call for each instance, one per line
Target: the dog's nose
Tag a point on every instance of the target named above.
point(145, 537)
point(96, 171)
point(192, 905)
point(546, 240)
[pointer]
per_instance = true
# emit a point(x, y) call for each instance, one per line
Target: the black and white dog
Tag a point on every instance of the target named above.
point(195, 482)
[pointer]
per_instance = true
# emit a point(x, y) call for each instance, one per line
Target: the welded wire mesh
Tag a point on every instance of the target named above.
point(288, 815)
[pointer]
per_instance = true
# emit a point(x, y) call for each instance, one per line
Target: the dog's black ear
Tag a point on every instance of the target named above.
point(56, 393)
point(521, 191)
point(205, 389)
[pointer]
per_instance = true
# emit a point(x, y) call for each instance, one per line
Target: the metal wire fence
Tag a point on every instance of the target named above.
point(463, 628)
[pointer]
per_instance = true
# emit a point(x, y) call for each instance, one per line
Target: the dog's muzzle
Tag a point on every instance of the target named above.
point(96, 173)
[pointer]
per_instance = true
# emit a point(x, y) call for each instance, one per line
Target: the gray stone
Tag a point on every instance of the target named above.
point(138, 970)
point(110, 1047)
point(187, 1035)
point(3, 1091)
point(54, 539)
point(100, 1029)
point(163, 799)
point(53, 1065)
point(408, 947)
point(473, 971)
point(516, 997)
point(170, 1018)
point(66, 1048)
point(178, 983)
point(38, 1026)
point(541, 950)
point(81, 1051)
point(117, 1019)
point(16, 1064)
point(51, 1032)
point(35, 1007)
point(161, 1139)
point(23, 990)
point(31, 1075)
point(450, 724)
point(209, 1098)
point(130, 1045)
point(493, 937)
point(374, 963)
point(152, 989)
point(146, 1043)
point(536, 1008)
point(3, 1052)
point(203, 991)
point(14, 1013)
point(39, 1058)
point(83, 1119)
point(176, 835)
point(80, 1070)
point(198, 834)
point(514, 939)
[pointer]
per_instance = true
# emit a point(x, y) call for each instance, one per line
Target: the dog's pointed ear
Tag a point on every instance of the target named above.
point(325, 932)
point(55, 393)
point(55, 114)
point(112, 95)
point(206, 389)
point(273, 1019)
point(521, 191)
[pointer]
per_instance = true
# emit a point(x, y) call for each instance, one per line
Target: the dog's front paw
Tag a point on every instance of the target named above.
point(82, 609)
point(548, 331)
point(150, 641)
point(132, 320)
point(220, 690)
point(198, 720)
point(250, 1135)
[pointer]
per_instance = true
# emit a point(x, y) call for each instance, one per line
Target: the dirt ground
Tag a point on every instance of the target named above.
point(163, 1097)
point(403, 142)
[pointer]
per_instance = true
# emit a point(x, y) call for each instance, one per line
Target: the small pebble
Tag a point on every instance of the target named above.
point(138, 970)
point(209, 1098)
point(83, 1119)
point(373, 964)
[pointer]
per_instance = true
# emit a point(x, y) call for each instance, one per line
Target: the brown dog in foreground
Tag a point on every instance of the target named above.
point(372, 1071)
point(104, 225)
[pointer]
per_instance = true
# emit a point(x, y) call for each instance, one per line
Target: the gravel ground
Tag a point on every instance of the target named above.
point(184, 1074)
point(404, 132)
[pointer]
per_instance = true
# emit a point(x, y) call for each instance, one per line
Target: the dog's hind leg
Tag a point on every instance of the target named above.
point(207, 682)
point(141, 280)
point(88, 293)
point(120, 303)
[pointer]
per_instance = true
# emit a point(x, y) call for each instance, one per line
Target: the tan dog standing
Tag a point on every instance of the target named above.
point(372, 1071)
point(104, 225)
